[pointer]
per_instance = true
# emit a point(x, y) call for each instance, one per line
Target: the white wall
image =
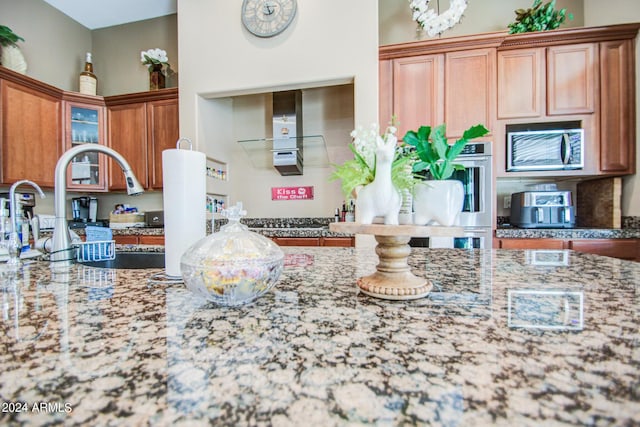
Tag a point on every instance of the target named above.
point(219, 59)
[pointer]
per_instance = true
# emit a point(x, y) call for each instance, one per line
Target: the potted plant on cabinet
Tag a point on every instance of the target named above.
point(10, 54)
point(439, 198)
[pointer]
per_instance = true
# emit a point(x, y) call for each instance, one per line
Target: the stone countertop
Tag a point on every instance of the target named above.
point(568, 233)
point(505, 338)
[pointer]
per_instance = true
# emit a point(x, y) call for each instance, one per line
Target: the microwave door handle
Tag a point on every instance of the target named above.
point(565, 148)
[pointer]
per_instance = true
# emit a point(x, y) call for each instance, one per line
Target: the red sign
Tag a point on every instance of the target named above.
point(292, 193)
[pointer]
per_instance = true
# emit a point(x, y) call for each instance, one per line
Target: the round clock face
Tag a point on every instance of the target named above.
point(266, 18)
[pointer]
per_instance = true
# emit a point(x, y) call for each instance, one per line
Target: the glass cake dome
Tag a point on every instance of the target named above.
point(233, 266)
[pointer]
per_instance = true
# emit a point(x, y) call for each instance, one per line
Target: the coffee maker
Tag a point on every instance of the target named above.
point(84, 209)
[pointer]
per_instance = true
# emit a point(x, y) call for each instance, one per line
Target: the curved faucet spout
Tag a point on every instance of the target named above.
point(61, 256)
point(12, 199)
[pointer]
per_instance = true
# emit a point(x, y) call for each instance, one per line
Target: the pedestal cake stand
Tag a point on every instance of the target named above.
point(393, 278)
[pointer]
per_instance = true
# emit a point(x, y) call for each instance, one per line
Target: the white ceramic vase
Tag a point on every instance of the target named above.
point(438, 201)
point(12, 58)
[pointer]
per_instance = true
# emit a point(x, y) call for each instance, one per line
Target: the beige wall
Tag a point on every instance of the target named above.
point(397, 26)
point(118, 48)
point(320, 50)
point(54, 46)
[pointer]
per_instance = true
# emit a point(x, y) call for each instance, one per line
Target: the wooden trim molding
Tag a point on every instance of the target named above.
point(30, 82)
point(130, 98)
point(504, 41)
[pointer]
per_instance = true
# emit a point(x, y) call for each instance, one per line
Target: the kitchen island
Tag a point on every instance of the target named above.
point(505, 338)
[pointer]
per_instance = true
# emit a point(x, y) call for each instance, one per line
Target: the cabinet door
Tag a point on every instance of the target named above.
point(31, 139)
point(521, 77)
point(470, 90)
point(126, 240)
point(338, 241)
point(385, 87)
point(297, 241)
point(84, 124)
point(418, 94)
point(571, 79)
point(616, 248)
point(617, 107)
point(532, 244)
point(163, 133)
point(128, 136)
point(151, 240)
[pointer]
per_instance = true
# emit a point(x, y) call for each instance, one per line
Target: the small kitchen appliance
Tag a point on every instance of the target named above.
point(84, 209)
point(542, 209)
point(546, 146)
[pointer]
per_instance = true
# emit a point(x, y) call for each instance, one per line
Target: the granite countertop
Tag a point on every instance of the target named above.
point(568, 233)
point(505, 338)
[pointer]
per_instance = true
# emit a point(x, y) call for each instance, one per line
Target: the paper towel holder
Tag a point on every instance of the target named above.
point(184, 139)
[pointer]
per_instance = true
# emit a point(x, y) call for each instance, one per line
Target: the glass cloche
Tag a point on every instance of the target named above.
point(233, 266)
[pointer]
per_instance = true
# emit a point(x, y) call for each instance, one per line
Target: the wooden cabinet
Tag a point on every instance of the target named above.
point(617, 109)
point(141, 126)
point(418, 92)
point(628, 249)
point(542, 82)
point(617, 248)
point(138, 240)
point(297, 241)
point(439, 81)
point(31, 129)
point(531, 244)
point(315, 241)
point(571, 79)
point(84, 123)
point(470, 90)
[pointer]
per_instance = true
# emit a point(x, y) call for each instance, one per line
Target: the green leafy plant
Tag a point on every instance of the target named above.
point(435, 154)
point(361, 170)
point(8, 37)
point(539, 17)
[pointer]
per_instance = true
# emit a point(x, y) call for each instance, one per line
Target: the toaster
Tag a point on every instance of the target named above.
point(542, 209)
point(154, 218)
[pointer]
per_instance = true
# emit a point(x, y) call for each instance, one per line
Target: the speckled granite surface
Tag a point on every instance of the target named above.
point(569, 233)
point(506, 338)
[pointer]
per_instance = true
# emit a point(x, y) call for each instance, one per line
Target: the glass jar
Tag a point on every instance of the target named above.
point(234, 266)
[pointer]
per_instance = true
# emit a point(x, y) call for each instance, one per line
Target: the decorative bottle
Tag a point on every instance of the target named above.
point(88, 80)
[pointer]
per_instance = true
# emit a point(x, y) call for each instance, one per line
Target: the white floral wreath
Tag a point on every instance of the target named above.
point(431, 22)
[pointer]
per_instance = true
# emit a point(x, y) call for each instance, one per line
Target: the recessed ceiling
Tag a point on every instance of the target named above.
point(107, 13)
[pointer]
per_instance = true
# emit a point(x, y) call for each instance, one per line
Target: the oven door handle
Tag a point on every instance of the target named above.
point(565, 148)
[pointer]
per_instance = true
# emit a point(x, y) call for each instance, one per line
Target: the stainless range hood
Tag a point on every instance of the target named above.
point(287, 150)
point(287, 128)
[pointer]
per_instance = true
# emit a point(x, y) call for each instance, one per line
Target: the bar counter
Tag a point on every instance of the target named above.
point(504, 338)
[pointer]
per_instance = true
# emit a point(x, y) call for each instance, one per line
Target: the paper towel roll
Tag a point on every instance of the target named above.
point(184, 200)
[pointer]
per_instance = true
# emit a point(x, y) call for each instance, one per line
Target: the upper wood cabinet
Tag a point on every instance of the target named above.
point(141, 126)
point(538, 82)
point(428, 83)
point(470, 90)
point(84, 123)
point(31, 129)
point(418, 92)
point(617, 107)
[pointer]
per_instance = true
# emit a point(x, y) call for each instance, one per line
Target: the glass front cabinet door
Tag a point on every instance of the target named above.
point(85, 125)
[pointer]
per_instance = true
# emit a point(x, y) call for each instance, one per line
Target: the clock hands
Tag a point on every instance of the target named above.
point(269, 8)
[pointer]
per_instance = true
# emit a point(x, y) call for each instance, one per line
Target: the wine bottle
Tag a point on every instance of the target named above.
point(88, 80)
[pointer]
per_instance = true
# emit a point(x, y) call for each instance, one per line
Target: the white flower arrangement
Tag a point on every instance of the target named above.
point(432, 23)
point(153, 57)
point(365, 141)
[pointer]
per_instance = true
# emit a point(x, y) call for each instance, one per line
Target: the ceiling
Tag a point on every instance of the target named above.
point(96, 14)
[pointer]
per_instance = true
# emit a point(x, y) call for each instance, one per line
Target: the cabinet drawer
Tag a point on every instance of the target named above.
point(617, 248)
point(152, 240)
point(126, 240)
point(345, 242)
point(297, 241)
point(532, 244)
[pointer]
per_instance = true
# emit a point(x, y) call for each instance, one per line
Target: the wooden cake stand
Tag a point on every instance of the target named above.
point(393, 279)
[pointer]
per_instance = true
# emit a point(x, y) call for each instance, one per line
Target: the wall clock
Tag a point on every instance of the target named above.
point(267, 18)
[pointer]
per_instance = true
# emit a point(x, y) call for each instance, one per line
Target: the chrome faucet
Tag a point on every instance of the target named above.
point(61, 255)
point(14, 243)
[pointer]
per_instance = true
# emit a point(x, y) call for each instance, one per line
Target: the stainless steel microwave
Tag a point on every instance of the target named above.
point(542, 150)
